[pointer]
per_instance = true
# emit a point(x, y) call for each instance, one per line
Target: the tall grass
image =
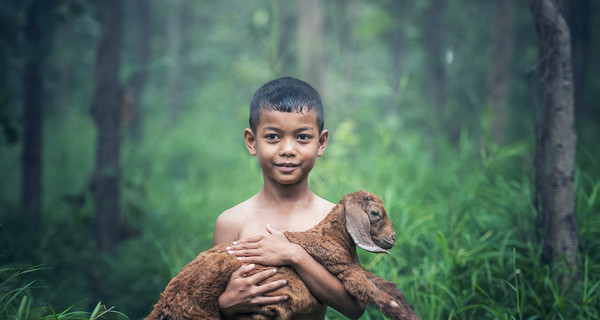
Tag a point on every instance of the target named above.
point(467, 245)
point(17, 300)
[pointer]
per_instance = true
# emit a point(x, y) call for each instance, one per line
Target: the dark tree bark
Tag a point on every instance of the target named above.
point(38, 29)
point(106, 113)
point(578, 17)
point(311, 50)
point(141, 28)
point(555, 163)
point(499, 76)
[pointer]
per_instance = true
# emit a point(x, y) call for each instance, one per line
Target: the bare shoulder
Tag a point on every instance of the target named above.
point(230, 223)
point(323, 206)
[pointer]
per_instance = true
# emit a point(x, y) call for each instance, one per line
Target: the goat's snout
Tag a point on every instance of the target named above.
point(388, 242)
point(392, 239)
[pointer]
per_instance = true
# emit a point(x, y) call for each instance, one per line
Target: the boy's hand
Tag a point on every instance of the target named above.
point(270, 250)
point(244, 295)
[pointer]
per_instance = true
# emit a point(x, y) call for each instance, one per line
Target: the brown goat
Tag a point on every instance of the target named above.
point(358, 219)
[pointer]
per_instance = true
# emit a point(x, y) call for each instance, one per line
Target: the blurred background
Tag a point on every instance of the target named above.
point(121, 142)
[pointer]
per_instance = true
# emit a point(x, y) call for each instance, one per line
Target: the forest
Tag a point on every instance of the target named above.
point(476, 122)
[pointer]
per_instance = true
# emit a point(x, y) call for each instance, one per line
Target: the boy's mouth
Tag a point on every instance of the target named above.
point(287, 166)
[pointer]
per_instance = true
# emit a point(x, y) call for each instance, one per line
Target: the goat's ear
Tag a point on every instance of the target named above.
point(359, 228)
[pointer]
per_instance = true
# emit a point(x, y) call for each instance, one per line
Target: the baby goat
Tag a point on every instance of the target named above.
point(358, 219)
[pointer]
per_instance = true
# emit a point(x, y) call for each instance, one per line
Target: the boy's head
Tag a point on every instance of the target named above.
point(285, 95)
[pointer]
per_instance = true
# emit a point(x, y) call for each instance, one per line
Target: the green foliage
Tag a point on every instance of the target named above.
point(466, 245)
point(17, 300)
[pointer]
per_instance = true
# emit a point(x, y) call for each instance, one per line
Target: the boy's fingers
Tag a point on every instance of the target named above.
point(248, 260)
point(241, 271)
point(238, 247)
point(244, 253)
point(271, 286)
point(256, 278)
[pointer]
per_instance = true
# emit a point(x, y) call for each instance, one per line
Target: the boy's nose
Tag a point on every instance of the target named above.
point(287, 148)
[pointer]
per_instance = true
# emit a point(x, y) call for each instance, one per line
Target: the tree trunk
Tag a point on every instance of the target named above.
point(344, 30)
point(141, 34)
point(311, 51)
point(175, 52)
point(286, 24)
point(558, 139)
point(106, 113)
point(395, 39)
point(579, 23)
point(38, 31)
point(499, 76)
point(434, 50)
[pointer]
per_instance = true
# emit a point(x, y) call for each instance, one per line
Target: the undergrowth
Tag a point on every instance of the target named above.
point(18, 300)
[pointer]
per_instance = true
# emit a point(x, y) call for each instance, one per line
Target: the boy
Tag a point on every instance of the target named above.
point(286, 134)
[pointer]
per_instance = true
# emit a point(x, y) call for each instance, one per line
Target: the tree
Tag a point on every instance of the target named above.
point(10, 36)
point(434, 49)
point(311, 50)
point(106, 113)
point(579, 23)
point(175, 32)
point(141, 32)
point(556, 138)
point(395, 38)
point(38, 32)
point(286, 22)
point(499, 76)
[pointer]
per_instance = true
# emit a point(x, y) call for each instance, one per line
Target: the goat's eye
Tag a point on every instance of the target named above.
point(375, 214)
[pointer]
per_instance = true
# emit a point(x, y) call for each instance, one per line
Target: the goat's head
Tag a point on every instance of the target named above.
point(367, 222)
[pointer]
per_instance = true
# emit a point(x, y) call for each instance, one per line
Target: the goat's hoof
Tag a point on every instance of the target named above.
point(394, 304)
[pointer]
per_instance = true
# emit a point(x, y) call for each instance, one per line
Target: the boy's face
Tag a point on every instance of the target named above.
point(287, 144)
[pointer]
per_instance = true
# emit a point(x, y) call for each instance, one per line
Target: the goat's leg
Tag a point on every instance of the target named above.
point(386, 286)
point(383, 294)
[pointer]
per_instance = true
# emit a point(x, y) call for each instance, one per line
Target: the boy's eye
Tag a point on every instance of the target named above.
point(303, 137)
point(271, 136)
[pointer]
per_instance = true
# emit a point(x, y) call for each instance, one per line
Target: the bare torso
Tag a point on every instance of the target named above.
point(250, 218)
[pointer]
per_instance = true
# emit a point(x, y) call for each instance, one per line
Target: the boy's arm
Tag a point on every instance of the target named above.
point(325, 286)
point(242, 294)
point(276, 250)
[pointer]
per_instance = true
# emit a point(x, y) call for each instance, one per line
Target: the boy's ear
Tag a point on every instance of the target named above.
point(323, 137)
point(250, 140)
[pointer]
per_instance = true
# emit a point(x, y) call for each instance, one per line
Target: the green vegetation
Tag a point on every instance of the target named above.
point(461, 204)
point(17, 301)
point(466, 247)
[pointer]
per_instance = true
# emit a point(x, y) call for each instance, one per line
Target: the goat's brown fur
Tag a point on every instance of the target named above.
point(194, 292)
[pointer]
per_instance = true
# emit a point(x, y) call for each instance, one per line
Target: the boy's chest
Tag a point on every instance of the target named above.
point(256, 223)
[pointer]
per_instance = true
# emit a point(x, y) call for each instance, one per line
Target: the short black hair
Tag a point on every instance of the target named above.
point(285, 94)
